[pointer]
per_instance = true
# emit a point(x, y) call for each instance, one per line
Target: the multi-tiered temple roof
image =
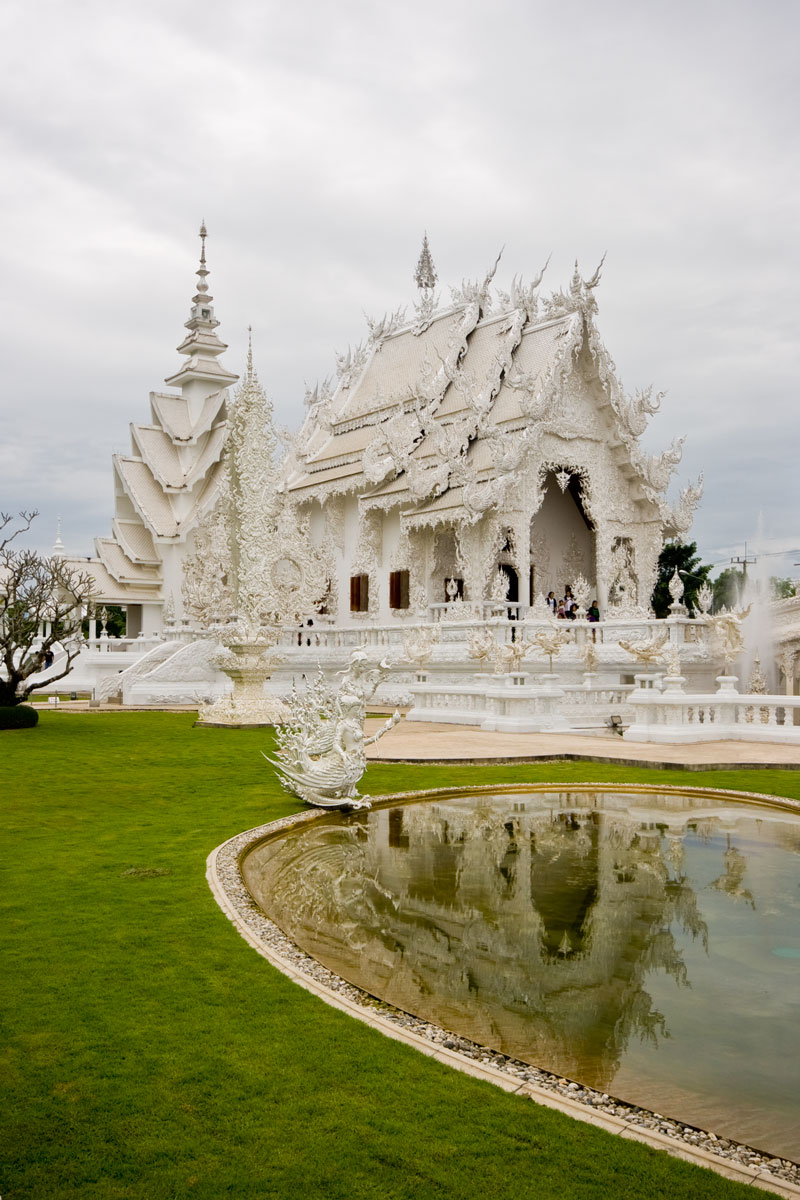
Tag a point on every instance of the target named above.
point(437, 415)
point(170, 477)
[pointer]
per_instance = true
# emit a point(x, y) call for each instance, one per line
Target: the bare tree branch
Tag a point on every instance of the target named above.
point(42, 602)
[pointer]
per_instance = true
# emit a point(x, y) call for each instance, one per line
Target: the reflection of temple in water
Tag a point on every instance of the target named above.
point(527, 924)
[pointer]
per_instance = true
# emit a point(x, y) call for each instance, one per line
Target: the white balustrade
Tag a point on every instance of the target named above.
point(675, 716)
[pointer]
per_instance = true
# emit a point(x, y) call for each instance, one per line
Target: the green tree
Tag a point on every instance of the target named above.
point(115, 620)
point(781, 589)
point(684, 557)
point(728, 588)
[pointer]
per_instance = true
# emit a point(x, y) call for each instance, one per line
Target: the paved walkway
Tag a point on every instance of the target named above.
point(420, 741)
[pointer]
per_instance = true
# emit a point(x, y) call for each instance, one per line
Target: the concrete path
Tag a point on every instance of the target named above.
point(419, 741)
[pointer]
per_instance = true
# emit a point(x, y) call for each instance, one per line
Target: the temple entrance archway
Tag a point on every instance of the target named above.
point(513, 582)
point(563, 537)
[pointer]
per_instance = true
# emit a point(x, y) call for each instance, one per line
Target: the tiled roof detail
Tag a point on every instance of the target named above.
point(172, 414)
point(120, 567)
point(109, 590)
point(398, 365)
point(150, 501)
point(136, 540)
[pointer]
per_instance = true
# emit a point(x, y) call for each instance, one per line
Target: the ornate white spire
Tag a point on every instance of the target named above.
point(425, 275)
point(58, 546)
point(202, 344)
point(202, 296)
point(251, 373)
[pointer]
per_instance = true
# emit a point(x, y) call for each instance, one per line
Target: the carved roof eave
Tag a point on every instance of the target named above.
point(108, 590)
point(120, 531)
point(137, 431)
point(156, 527)
point(178, 530)
point(209, 454)
point(325, 491)
point(628, 425)
point(205, 502)
point(630, 421)
point(125, 571)
point(207, 419)
point(206, 370)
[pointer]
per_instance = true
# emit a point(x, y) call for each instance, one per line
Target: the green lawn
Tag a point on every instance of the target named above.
point(148, 1052)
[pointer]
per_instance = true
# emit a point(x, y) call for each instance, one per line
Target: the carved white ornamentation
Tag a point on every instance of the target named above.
point(254, 567)
point(321, 747)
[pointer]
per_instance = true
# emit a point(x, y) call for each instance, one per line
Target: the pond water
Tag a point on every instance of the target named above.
point(646, 944)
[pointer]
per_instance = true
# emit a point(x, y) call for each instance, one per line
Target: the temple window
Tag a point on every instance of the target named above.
point(398, 589)
point(359, 593)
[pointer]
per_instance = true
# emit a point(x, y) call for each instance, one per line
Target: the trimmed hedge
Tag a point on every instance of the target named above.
point(18, 716)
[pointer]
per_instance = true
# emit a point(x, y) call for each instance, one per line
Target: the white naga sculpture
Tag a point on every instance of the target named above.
point(321, 753)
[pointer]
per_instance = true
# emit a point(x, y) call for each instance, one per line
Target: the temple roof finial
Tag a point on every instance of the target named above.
point(58, 545)
point(250, 372)
point(425, 275)
point(202, 296)
point(202, 346)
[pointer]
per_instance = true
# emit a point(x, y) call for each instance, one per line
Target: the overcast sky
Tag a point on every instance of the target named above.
point(320, 140)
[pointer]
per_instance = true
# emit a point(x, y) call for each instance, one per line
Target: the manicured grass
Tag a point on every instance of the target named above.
point(149, 1053)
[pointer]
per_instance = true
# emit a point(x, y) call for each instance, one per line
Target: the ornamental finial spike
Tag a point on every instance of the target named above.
point(58, 546)
point(250, 372)
point(202, 296)
point(425, 275)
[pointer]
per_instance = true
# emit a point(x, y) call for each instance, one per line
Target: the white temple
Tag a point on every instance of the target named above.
point(485, 436)
point(469, 460)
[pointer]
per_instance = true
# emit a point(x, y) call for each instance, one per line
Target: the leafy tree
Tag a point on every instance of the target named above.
point(728, 588)
point(41, 603)
point(115, 621)
point(684, 557)
point(781, 589)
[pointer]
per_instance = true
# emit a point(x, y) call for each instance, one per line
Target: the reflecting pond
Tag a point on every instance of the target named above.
point(646, 944)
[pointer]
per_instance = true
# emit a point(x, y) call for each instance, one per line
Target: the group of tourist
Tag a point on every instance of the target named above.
point(567, 608)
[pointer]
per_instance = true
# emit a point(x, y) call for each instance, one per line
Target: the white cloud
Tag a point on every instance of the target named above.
point(319, 141)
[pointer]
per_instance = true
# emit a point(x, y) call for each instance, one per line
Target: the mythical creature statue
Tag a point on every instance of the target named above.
point(509, 656)
point(649, 653)
point(321, 753)
point(727, 637)
point(550, 640)
point(482, 646)
point(589, 657)
point(419, 644)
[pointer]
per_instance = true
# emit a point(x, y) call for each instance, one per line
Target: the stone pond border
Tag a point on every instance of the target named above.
point(732, 1159)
